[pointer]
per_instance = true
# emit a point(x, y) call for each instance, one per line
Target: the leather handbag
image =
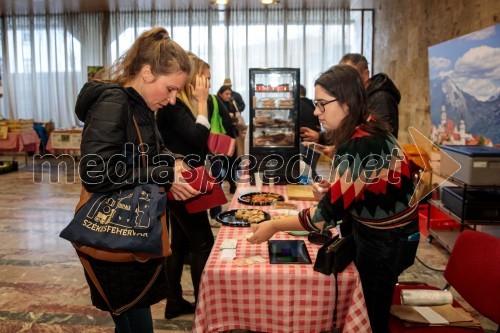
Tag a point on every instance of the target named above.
point(334, 256)
point(221, 144)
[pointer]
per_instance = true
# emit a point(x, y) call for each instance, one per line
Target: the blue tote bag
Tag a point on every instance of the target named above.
point(128, 220)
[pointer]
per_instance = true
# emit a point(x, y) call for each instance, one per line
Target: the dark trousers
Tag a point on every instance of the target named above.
point(189, 233)
point(134, 321)
point(216, 168)
point(382, 255)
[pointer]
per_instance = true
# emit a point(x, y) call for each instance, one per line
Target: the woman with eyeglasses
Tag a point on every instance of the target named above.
point(371, 181)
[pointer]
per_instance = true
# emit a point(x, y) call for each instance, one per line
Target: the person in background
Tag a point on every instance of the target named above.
point(383, 98)
point(235, 96)
point(372, 182)
point(146, 78)
point(185, 127)
point(309, 120)
point(239, 106)
point(225, 94)
point(383, 95)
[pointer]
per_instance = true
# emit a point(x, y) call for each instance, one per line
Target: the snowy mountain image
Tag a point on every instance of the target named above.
point(465, 88)
point(480, 118)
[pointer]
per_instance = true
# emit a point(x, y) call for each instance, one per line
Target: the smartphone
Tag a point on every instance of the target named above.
point(314, 146)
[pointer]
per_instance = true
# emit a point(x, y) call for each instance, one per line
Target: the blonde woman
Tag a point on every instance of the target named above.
point(184, 128)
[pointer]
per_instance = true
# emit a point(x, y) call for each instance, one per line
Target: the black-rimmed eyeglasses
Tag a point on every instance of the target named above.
point(321, 104)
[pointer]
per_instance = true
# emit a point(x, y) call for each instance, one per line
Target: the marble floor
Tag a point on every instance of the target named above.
point(42, 287)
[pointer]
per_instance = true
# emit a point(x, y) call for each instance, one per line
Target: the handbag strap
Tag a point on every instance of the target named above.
point(236, 107)
point(88, 268)
point(141, 143)
point(336, 301)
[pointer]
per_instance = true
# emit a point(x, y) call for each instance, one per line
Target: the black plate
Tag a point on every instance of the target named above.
point(228, 218)
point(246, 199)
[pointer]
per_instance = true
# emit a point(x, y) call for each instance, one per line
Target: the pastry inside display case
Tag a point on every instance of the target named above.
point(273, 128)
point(272, 103)
point(273, 137)
point(271, 122)
point(272, 118)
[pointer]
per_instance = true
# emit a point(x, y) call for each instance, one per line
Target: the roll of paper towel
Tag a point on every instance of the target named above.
point(425, 297)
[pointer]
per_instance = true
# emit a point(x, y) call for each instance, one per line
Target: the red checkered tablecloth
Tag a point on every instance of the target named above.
point(22, 141)
point(274, 298)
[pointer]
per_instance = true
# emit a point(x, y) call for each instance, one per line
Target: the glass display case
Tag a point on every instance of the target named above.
point(274, 129)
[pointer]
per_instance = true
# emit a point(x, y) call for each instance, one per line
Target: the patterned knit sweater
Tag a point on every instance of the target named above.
point(372, 181)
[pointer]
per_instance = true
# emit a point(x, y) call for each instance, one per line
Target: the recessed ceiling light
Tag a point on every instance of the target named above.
point(221, 2)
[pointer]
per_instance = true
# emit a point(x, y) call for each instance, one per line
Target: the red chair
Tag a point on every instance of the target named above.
point(474, 271)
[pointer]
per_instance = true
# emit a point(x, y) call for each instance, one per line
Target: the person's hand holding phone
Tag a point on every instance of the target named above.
point(328, 151)
point(320, 188)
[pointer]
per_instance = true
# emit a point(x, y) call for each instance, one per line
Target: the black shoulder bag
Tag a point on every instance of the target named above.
point(333, 258)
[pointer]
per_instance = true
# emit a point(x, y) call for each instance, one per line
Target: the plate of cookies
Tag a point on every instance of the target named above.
point(242, 217)
point(260, 198)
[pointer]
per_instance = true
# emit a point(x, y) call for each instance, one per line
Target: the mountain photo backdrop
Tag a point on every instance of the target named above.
point(465, 89)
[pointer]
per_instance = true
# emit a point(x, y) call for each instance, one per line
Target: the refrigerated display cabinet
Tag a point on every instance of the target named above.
point(274, 135)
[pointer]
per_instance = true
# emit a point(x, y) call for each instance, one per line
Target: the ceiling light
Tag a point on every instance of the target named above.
point(269, 2)
point(221, 2)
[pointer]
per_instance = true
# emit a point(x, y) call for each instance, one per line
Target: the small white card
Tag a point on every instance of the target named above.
point(258, 259)
point(228, 254)
point(229, 243)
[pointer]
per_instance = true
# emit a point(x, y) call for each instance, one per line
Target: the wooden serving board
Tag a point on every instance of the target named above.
point(300, 192)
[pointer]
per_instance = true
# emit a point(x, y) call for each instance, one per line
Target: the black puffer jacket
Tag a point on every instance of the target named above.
point(107, 112)
point(383, 100)
point(110, 154)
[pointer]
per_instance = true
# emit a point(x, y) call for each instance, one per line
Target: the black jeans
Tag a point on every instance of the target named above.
point(189, 233)
point(382, 255)
point(134, 321)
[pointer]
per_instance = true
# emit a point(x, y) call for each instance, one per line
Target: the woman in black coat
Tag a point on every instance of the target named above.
point(225, 94)
point(185, 128)
point(145, 79)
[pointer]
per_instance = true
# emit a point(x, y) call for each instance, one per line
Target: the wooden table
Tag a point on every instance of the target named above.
point(274, 298)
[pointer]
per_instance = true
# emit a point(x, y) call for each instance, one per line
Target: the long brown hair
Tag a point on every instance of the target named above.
point(345, 83)
point(153, 47)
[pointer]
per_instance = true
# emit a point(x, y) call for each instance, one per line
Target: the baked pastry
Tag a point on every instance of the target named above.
point(250, 215)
